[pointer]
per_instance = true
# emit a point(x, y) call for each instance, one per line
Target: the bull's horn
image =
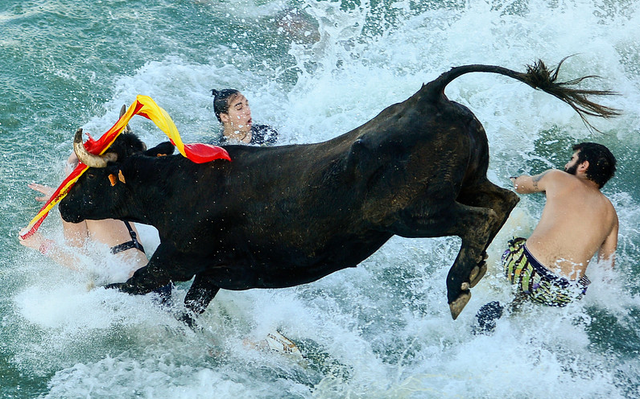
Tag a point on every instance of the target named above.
point(91, 160)
point(123, 110)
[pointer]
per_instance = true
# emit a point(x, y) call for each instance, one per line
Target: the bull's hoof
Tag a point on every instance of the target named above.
point(114, 286)
point(477, 273)
point(189, 319)
point(459, 304)
point(122, 287)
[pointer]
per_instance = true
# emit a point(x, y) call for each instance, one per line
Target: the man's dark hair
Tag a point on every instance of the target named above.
point(221, 101)
point(602, 163)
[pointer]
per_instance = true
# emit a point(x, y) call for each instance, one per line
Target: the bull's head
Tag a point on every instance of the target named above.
point(99, 192)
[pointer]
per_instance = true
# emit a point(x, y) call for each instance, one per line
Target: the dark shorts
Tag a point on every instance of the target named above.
point(536, 281)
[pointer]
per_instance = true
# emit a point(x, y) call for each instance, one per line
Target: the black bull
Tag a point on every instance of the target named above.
point(288, 215)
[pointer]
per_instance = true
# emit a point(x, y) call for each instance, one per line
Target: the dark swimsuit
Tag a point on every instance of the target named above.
point(260, 135)
point(165, 291)
point(536, 281)
point(134, 243)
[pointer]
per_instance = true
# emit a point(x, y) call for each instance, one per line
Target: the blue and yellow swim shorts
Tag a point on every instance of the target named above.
point(536, 281)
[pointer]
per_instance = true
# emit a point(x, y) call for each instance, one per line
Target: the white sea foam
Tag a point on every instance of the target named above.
point(382, 330)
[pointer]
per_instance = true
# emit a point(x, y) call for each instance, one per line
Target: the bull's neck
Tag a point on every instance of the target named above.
point(145, 200)
point(156, 189)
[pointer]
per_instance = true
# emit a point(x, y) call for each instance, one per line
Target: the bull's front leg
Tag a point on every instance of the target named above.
point(201, 293)
point(165, 265)
point(143, 281)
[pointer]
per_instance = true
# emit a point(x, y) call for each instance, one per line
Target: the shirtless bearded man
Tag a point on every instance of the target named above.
point(577, 222)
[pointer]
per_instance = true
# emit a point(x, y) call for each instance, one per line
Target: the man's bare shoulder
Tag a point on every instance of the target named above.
point(555, 174)
point(557, 178)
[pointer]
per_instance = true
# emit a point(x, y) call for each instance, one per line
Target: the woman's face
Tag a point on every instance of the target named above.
point(238, 116)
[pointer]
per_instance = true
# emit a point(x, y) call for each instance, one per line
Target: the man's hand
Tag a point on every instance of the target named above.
point(34, 241)
point(45, 190)
point(37, 242)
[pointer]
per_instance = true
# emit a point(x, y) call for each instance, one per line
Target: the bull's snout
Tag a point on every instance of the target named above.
point(68, 215)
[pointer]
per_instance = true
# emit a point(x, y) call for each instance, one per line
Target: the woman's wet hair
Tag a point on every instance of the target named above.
point(221, 101)
point(602, 163)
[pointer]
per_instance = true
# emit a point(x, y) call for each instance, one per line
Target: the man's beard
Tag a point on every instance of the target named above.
point(572, 170)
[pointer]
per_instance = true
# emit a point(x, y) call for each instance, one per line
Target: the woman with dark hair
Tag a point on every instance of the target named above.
point(233, 111)
point(120, 236)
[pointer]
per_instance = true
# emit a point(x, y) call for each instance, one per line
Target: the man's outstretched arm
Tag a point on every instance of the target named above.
point(529, 184)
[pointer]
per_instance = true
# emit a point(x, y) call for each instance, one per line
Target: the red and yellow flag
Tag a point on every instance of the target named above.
point(144, 106)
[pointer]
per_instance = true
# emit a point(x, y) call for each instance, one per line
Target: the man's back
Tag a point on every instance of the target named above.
point(577, 221)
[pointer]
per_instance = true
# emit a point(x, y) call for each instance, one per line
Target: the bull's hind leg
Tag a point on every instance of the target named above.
point(488, 195)
point(474, 225)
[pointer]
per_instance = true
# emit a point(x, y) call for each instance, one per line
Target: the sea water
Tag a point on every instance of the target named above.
point(314, 70)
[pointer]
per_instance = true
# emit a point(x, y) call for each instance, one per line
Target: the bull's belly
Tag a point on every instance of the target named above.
point(241, 277)
point(284, 271)
point(246, 264)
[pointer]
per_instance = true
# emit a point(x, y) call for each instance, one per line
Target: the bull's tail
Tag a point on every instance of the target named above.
point(540, 77)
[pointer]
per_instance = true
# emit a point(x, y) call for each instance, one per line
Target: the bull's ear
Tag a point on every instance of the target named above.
point(114, 180)
point(165, 148)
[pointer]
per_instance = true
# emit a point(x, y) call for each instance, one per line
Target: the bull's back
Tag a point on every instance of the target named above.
point(296, 195)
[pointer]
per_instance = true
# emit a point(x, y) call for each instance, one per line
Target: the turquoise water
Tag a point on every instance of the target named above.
point(313, 69)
